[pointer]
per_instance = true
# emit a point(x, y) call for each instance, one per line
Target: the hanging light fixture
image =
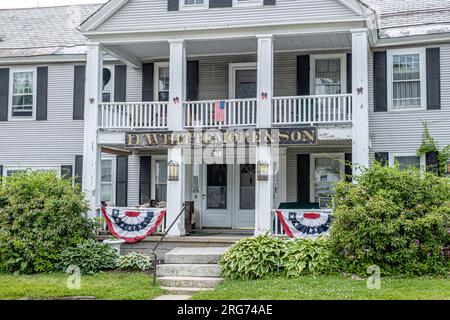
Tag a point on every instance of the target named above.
point(262, 170)
point(174, 171)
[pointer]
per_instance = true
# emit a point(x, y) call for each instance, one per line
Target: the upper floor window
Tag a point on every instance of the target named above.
point(22, 94)
point(328, 74)
point(162, 81)
point(108, 88)
point(193, 4)
point(243, 3)
point(406, 79)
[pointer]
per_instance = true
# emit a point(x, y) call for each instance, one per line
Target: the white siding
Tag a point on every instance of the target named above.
point(49, 143)
point(134, 85)
point(133, 181)
point(153, 14)
point(402, 131)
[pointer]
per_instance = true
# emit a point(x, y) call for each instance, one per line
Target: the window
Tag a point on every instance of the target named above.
point(406, 160)
point(107, 180)
point(242, 78)
point(406, 79)
point(326, 170)
point(193, 4)
point(9, 171)
point(161, 180)
point(162, 81)
point(247, 3)
point(328, 74)
point(108, 88)
point(22, 94)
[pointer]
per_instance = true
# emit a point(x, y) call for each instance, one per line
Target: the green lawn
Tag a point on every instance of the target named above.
point(110, 285)
point(331, 287)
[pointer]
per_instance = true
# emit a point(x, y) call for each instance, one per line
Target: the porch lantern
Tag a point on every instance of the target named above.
point(174, 171)
point(262, 171)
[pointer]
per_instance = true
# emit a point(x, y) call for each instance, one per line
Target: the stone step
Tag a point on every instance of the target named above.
point(188, 270)
point(189, 282)
point(205, 255)
point(184, 291)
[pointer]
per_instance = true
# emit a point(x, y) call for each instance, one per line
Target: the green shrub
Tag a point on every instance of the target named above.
point(253, 258)
point(40, 215)
point(309, 256)
point(90, 256)
point(134, 261)
point(395, 219)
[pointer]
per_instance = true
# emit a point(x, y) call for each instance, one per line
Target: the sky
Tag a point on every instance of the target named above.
point(5, 4)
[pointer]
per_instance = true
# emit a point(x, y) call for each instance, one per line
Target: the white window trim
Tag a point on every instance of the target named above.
point(32, 168)
point(423, 78)
point(157, 66)
point(312, 74)
point(10, 94)
point(113, 176)
point(247, 3)
point(112, 69)
point(312, 168)
point(393, 155)
point(232, 68)
point(183, 6)
point(153, 174)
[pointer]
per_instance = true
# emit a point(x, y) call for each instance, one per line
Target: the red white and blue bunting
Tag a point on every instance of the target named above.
point(305, 223)
point(132, 224)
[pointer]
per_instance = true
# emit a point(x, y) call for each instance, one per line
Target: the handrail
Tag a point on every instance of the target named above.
point(155, 260)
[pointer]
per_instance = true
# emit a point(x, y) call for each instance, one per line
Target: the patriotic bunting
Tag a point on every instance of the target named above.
point(305, 223)
point(132, 225)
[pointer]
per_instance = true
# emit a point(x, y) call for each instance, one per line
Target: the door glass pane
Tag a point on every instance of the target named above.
point(328, 76)
point(247, 187)
point(216, 180)
point(326, 173)
point(161, 180)
point(163, 84)
point(106, 181)
point(245, 84)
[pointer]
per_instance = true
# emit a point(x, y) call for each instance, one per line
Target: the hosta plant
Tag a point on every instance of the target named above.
point(134, 262)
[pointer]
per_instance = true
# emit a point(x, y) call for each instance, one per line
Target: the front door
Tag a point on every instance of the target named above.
point(244, 212)
point(245, 83)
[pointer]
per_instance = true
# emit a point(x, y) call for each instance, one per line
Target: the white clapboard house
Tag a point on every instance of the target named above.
point(82, 87)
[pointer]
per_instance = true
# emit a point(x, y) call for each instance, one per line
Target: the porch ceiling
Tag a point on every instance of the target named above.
point(301, 42)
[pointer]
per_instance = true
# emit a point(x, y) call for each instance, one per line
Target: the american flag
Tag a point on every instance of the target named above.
point(219, 110)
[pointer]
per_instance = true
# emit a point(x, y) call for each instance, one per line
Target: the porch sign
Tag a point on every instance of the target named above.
point(131, 224)
point(305, 223)
point(188, 138)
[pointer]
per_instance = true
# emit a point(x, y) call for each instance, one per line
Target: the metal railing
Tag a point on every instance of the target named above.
point(320, 109)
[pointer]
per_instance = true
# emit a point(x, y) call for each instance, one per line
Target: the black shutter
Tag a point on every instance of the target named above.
point(303, 67)
point(220, 3)
point(147, 82)
point(42, 93)
point(348, 167)
point(269, 2)
point(4, 93)
point(66, 172)
point(120, 83)
point(349, 73)
point(172, 5)
point(432, 162)
point(144, 179)
point(433, 78)
point(380, 81)
point(1, 173)
point(121, 181)
point(79, 169)
point(78, 92)
point(303, 178)
point(192, 79)
point(382, 157)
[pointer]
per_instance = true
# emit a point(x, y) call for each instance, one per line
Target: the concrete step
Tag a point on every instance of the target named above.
point(188, 270)
point(174, 297)
point(184, 291)
point(205, 255)
point(189, 282)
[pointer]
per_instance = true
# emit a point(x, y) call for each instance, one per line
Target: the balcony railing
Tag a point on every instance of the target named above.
point(122, 115)
point(225, 113)
point(326, 109)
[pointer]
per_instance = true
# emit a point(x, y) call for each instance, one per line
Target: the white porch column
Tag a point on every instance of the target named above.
point(360, 78)
point(91, 149)
point(265, 81)
point(177, 84)
point(264, 192)
point(176, 193)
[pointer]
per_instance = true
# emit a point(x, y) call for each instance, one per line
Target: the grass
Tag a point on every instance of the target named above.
point(108, 285)
point(329, 287)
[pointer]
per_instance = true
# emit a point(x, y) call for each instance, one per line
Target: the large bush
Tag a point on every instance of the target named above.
point(253, 258)
point(40, 215)
point(90, 256)
point(396, 219)
point(309, 256)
